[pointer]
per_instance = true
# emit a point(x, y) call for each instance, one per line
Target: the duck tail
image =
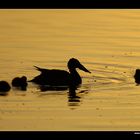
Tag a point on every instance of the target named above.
point(41, 69)
point(38, 68)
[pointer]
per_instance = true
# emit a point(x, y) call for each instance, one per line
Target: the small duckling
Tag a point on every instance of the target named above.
point(4, 86)
point(20, 82)
point(137, 76)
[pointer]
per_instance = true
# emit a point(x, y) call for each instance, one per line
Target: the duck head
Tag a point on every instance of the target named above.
point(74, 63)
point(24, 78)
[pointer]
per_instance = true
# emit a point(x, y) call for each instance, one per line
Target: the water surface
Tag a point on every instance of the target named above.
point(106, 42)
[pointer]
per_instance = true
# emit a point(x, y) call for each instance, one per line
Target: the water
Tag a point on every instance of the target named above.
point(106, 42)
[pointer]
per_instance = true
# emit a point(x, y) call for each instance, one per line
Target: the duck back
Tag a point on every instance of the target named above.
point(53, 78)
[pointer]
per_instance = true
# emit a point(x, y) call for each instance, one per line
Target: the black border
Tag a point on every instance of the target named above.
point(69, 4)
point(67, 135)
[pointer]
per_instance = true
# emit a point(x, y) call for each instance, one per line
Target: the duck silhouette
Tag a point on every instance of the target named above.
point(137, 76)
point(20, 82)
point(4, 86)
point(55, 77)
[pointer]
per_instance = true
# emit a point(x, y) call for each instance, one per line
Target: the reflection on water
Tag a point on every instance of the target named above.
point(72, 95)
point(21, 88)
point(73, 102)
point(44, 88)
point(3, 93)
point(73, 99)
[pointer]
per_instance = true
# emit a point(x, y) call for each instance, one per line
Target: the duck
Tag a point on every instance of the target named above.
point(20, 82)
point(4, 86)
point(56, 77)
point(137, 76)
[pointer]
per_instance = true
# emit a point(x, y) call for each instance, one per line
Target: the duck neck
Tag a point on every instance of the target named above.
point(75, 76)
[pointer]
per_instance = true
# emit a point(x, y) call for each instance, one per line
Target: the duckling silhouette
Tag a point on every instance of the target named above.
point(4, 86)
point(137, 76)
point(20, 82)
point(55, 77)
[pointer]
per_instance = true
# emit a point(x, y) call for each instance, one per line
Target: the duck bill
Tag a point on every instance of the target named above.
point(84, 69)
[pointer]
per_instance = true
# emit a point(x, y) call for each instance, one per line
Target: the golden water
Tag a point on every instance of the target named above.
point(106, 42)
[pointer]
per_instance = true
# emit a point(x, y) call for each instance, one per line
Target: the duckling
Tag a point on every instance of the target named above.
point(57, 77)
point(4, 86)
point(137, 76)
point(20, 82)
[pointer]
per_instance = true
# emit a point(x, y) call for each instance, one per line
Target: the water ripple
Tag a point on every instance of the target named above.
point(109, 78)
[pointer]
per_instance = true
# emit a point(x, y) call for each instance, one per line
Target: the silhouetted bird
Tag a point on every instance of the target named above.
point(56, 77)
point(20, 82)
point(137, 76)
point(4, 86)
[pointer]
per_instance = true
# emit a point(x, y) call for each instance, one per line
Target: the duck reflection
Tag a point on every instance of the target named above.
point(72, 95)
point(3, 93)
point(73, 99)
point(44, 88)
